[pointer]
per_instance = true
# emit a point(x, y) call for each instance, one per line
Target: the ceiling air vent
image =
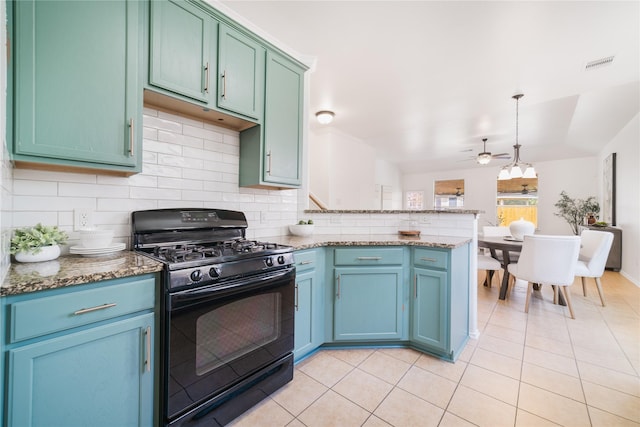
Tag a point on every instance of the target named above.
point(598, 63)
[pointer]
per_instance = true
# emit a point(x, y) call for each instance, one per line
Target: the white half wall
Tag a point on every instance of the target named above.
point(480, 188)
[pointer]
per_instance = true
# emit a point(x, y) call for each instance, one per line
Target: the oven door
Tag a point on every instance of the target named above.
point(220, 334)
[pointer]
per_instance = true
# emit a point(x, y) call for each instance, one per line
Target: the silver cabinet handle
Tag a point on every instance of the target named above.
point(305, 262)
point(269, 163)
point(147, 355)
point(428, 259)
point(96, 308)
point(415, 286)
point(338, 293)
point(297, 293)
point(369, 258)
point(224, 84)
point(132, 134)
point(206, 78)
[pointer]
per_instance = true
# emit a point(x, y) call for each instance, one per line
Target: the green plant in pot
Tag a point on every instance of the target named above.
point(574, 211)
point(37, 243)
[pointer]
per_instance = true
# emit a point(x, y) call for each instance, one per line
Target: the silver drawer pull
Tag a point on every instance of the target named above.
point(305, 262)
point(369, 258)
point(96, 308)
point(147, 350)
point(428, 259)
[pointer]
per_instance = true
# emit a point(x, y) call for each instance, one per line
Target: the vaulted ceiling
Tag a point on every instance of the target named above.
point(424, 81)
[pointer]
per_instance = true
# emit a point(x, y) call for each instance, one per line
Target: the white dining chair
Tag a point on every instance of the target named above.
point(489, 264)
point(594, 251)
point(548, 260)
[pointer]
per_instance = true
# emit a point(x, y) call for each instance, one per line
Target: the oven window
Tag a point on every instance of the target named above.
point(235, 329)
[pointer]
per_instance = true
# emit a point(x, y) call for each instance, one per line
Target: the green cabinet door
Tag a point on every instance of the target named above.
point(303, 342)
point(240, 73)
point(309, 325)
point(96, 377)
point(182, 49)
point(283, 121)
point(271, 155)
point(367, 303)
point(430, 302)
point(77, 91)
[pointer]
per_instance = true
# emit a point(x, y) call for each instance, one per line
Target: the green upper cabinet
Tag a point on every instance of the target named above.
point(77, 86)
point(240, 73)
point(272, 156)
point(182, 47)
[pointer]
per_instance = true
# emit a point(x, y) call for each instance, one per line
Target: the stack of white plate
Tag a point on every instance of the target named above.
point(96, 252)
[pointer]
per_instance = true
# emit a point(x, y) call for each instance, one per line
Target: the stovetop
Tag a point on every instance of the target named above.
point(203, 246)
point(185, 255)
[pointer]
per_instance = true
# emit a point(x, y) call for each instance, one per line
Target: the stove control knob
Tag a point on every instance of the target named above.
point(196, 275)
point(269, 262)
point(281, 259)
point(214, 272)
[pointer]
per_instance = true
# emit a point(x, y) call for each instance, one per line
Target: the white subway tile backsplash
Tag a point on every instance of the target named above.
point(179, 140)
point(154, 193)
point(162, 147)
point(125, 205)
point(66, 189)
point(51, 203)
point(27, 219)
point(35, 188)
point(199, 132)
point(162, 124)
point(41, 175)
point(161, 170)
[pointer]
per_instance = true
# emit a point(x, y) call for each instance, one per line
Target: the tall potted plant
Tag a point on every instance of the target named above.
point(574, 211)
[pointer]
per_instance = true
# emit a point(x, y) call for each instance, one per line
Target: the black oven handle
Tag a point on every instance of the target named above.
point(189, 297)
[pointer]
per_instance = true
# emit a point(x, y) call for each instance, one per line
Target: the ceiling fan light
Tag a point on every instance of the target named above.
point(484, 158)
point(516, 172)
point(530, 172)
point(504, 174)
point(325, 117)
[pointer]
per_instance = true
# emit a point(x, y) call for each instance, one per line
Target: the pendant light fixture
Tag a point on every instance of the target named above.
point(515, 169)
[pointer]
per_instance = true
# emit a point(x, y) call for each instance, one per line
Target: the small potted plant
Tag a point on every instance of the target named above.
point(575, 211)
point(37, 243)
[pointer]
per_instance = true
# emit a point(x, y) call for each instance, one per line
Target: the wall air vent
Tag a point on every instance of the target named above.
point(598, 63)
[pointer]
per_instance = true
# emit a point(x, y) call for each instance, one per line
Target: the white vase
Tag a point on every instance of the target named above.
point(47, 253)
point(520, 228)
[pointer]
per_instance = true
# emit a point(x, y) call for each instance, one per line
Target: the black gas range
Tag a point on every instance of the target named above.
point(227, 309)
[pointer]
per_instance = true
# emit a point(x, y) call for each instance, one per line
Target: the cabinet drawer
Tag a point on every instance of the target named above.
point(46, 315)
point(305, 260)
point(368, 256)
point(431, 258)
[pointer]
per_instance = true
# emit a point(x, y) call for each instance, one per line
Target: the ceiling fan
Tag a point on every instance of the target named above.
point(485, 157)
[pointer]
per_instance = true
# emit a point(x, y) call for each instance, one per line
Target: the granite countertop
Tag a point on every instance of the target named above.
point(72, 270)
point(320, 240)
point(373, 211)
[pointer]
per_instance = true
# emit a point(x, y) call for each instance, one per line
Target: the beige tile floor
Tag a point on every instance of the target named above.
point(535, 369)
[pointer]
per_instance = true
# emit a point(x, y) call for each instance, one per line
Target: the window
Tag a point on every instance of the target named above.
point(414, 200)
point(517, 198)
point(448, 194)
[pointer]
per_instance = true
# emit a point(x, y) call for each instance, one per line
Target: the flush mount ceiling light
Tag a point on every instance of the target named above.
point(515, 169)
point(484, 157)
point(325, 117)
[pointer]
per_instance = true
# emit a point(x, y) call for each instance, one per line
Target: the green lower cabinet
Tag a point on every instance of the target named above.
point(429, 308)
point(308, 302)
point(80, 355)
point(368, 303)
point(96, 377)
point(440, 300)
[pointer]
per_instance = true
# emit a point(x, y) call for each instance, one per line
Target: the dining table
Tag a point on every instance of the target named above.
point(510, 248)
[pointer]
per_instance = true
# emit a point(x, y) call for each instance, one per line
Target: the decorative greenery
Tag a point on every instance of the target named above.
point(303, 222)
point(32, 239)
point(574, 211)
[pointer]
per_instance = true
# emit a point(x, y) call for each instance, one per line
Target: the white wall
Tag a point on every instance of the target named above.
point(345, 174)
point(626, 145)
